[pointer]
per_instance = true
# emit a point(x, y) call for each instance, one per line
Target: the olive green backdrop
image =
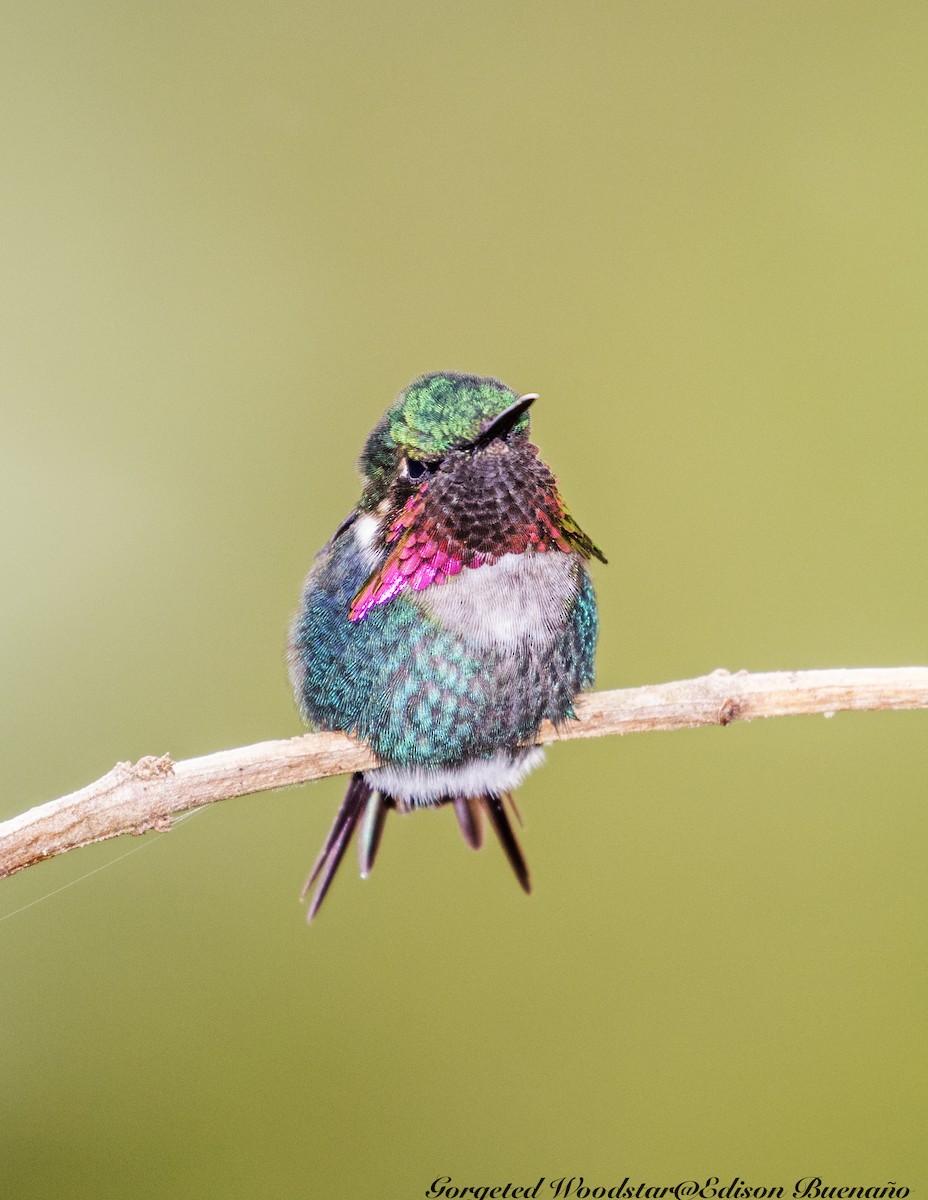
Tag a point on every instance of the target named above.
point(231, 232)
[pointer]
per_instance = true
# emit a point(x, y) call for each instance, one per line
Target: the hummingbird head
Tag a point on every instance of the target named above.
point(451, 476)
point(436, 415)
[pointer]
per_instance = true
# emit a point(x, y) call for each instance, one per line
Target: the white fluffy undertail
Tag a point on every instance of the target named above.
point(418, 787)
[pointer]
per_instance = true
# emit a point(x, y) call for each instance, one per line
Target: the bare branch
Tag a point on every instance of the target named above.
point(135, 798)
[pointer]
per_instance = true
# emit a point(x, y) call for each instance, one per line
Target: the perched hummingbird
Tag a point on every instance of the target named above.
point(450, 614)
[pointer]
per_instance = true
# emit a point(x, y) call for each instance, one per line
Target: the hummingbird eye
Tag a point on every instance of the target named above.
point(416, 469)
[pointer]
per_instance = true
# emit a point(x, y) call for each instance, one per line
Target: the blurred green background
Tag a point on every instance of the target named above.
point(231, 232)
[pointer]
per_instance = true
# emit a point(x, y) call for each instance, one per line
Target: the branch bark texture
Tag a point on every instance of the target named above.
point(138, 797)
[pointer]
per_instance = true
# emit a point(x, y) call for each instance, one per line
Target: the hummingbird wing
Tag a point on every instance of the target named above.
point(345, 525)
point(415, 561)
point(579, 541)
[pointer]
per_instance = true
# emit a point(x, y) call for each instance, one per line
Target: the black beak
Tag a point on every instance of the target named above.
point(502, 424)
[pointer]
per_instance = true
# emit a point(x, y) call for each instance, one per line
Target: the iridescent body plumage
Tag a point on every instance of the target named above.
point(448, 617)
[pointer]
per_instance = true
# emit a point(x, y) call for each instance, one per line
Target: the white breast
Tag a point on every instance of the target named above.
point(420, 786)
point(522, 597)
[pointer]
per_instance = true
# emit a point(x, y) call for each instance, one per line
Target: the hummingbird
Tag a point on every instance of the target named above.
point(448, 616)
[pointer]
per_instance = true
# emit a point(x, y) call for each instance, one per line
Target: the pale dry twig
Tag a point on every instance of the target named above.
point(135, 798)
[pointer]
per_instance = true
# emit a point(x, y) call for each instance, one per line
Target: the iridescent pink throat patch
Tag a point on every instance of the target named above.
point(419, 559)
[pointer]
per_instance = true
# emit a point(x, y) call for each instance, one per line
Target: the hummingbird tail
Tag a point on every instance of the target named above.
point(495, 810)
point(375, 814)
point(365, 808)
point(470, 818)
point(358, 795)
